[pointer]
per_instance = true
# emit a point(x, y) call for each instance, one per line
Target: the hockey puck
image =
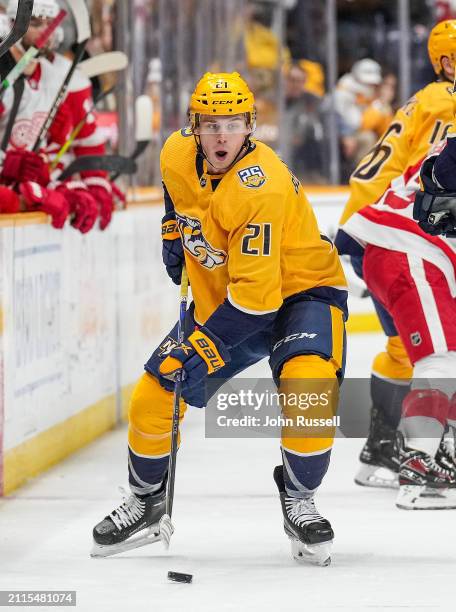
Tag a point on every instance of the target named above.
point(178, 577)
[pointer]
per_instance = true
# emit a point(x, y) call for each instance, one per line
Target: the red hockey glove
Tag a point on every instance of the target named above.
point(62, 126)
point(83, 207)
point(24, 165)
point(119, 196)
point(9, 201)
point(39, 198)
point(101, 190)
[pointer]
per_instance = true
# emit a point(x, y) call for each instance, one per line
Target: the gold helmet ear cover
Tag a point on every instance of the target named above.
point(442, 42)
point(222, 93)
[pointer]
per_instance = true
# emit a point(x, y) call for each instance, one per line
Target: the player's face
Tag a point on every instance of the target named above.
point(222, 138)
point(36, 28)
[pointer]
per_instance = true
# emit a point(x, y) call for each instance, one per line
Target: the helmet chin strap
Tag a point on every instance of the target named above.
point(443, 76)
point(244, 148)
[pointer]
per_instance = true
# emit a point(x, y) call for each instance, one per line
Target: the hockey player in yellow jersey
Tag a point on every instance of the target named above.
point(265, 283)
point(419, 125)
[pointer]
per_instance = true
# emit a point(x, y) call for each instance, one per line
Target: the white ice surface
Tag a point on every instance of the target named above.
point(228, 533)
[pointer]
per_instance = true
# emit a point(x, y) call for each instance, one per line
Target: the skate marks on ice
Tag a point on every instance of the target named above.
point(233, 543)
point(229, 535)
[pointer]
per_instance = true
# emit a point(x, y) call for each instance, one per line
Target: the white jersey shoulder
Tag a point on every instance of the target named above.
point(36, 102)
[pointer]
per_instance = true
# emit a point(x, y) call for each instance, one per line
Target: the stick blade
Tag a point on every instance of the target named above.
point(166, 530)
point(82, 18)
point(113, 61)
point(108, 163)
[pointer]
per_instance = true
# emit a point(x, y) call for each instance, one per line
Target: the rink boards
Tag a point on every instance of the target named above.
point(80, 316)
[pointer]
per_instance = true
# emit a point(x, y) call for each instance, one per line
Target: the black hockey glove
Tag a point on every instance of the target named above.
point(434, 208)
point(172, 250)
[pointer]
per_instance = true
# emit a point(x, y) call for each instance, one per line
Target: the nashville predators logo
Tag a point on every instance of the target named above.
point(197, 245)
point(252, 177)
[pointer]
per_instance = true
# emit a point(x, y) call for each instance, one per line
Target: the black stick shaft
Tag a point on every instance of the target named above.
point(20, 27)
point(60, 96)
point(177, 397)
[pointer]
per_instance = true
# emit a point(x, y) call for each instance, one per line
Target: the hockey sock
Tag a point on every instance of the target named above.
point(391, 373)
point(424, 416)
point(146, 474)
point(387, 396)
point(303, 474)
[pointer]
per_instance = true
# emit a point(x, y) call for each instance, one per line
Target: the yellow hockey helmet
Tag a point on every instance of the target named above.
point(442, 41)
point(222, 93)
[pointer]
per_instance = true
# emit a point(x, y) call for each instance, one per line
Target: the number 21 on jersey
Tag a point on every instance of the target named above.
point(257, 239)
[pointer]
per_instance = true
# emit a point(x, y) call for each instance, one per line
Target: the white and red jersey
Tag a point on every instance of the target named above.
point(389, 224)
point(39, 95)
point(90, 140)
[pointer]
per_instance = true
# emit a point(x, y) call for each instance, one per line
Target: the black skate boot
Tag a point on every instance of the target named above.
point(310, 534)
point(379, 456)
point(424, 484)
point(133, 524)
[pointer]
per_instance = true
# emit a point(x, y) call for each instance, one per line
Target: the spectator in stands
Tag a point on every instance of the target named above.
point(302, 126)
point(380, 112)
point(264, 57)
point(355, 92)
point(261, 44)
point(315, 77)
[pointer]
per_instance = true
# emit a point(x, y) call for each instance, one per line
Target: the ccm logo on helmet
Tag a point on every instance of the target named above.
point(291, 337)
point(222, 102)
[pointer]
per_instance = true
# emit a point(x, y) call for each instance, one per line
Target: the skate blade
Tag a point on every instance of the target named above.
point(376, 476)
point(413, 497)
point(166, 530)
point(316, 554)
point(144, 538)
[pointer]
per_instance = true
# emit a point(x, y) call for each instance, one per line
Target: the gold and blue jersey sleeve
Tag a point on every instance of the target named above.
point(422, 122)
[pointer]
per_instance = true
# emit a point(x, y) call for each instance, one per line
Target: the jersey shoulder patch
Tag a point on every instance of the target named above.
point(252, 177)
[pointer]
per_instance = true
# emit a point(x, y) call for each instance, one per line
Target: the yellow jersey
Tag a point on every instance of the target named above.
point(249, 235)
point(415, 129)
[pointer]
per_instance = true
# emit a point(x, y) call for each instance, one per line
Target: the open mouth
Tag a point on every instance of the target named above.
point(221, 155)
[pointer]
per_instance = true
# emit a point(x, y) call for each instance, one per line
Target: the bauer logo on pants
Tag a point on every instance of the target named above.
point(252, 177)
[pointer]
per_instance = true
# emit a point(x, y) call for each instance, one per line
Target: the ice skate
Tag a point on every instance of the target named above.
point(133, 524)
point(310, 534)
point(445, 456)
point(379, 457)
point(424, 484)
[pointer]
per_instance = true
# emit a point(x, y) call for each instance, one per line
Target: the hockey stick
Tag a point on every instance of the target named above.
point(31, 53)
point(165, 526)
point(75, 133)
point(113, 61)
point(20, 27)
point(109, 163)
point(82, 18)
point(143, 136)
point(18, 88)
